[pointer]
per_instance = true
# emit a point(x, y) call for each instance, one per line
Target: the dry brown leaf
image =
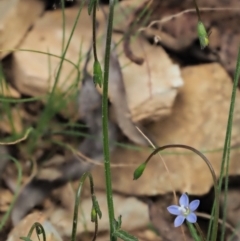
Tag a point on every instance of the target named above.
point(118, 99)
point(180, 33)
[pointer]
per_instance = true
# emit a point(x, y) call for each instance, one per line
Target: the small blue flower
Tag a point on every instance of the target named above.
point(184, 211)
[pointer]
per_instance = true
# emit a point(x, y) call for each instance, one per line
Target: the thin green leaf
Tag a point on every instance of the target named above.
point(193, 232)
point(227, 144)
point(25, 238)
point(90, 5)
point(124, 235)
point(119, 222)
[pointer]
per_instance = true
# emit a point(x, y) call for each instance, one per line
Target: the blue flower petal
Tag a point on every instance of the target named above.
point(179, 220)
point(192, 218)
point(184, 200)
point(194, 205)
point(174, 209)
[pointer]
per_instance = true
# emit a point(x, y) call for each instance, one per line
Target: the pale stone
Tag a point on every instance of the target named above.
point(24, 226)
point(134, 215)
point(152, 87)
point(199, 119)
point(16, 17)
point(150, 90)
point(31, 70)
point(5, 200)
point(16, 125)
point(7, 90)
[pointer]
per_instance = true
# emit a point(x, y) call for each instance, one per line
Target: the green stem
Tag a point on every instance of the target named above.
point(96, 229)
point(216, 191)
point(63, 24)
point(38, 227)
point(193, 232)
point(197, 9)
point(105, 122)
point(94, 31)
point(77, 201)
point(227, 144)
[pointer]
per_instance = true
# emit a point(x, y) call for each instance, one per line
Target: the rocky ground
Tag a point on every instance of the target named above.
point(160, 80)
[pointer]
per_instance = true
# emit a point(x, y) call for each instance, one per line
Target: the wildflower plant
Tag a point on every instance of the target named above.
point(185, 210)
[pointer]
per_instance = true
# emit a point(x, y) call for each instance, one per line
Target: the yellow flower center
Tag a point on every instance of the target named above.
point(184, 210)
